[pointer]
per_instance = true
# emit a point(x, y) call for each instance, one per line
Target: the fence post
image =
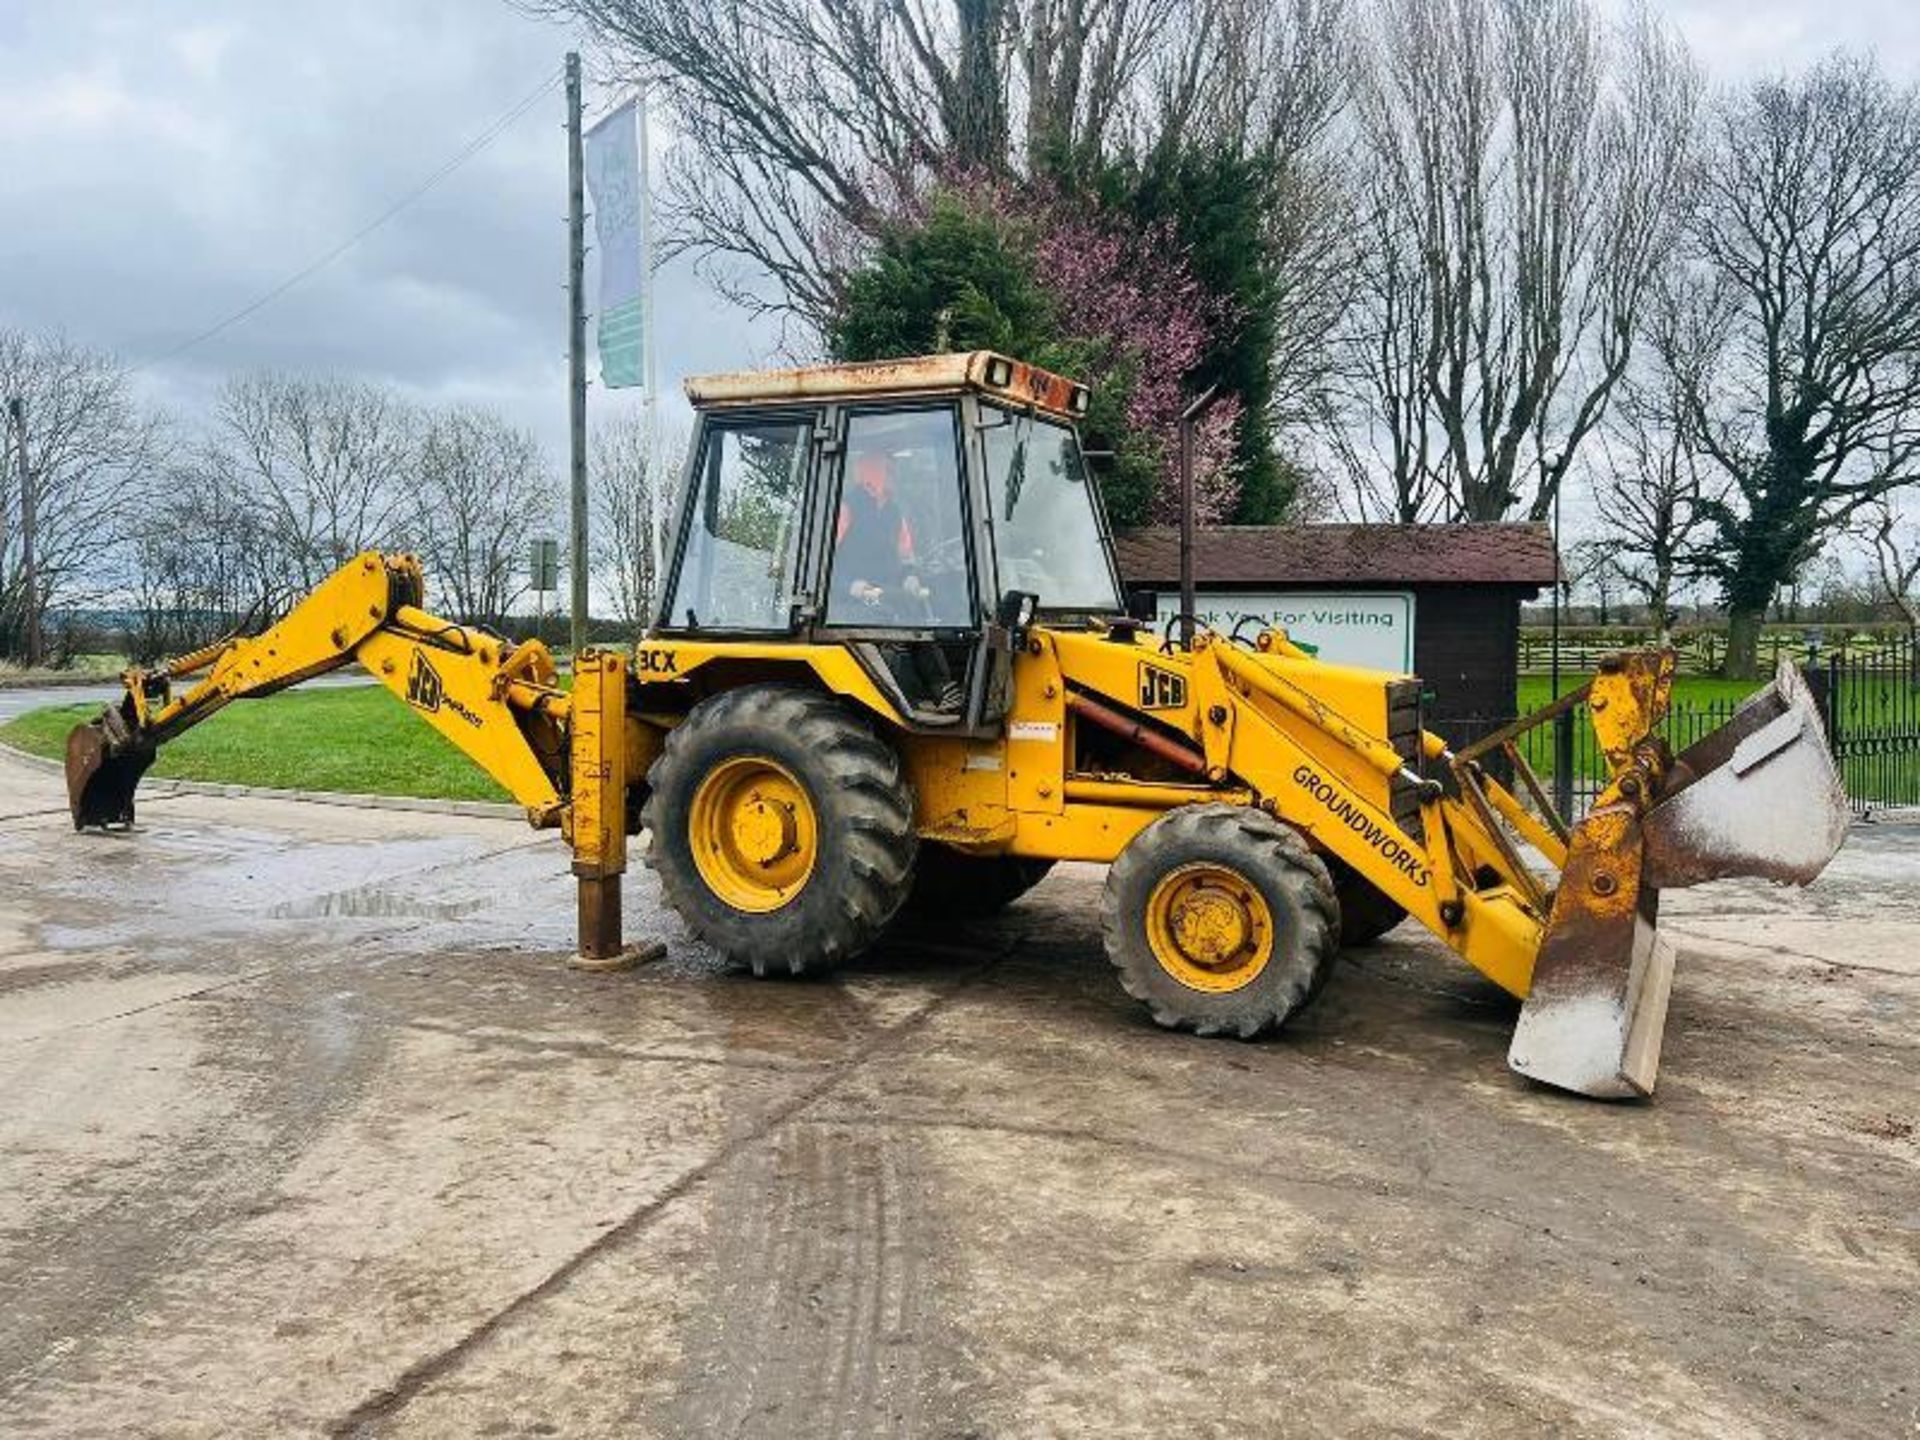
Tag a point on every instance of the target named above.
point(1563, 764)
point(1824, 682)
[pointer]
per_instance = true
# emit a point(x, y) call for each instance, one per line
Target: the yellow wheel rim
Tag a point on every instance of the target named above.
point(1210, 928)
point(753, 832)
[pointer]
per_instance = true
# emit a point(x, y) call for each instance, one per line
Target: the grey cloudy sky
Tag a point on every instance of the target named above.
point(164, 162)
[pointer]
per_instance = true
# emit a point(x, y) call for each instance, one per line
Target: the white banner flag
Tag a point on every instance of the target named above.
point(613, 179)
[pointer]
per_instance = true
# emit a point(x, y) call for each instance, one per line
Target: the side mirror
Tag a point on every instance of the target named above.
point(1017, 609)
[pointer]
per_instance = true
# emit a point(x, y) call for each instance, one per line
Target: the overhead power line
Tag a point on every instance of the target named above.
point(453, 162)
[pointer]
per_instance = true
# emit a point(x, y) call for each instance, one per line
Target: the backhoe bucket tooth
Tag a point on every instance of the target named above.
point(1759, 796)
point(105, 761)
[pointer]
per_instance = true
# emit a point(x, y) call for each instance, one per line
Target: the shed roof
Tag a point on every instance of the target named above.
point(1503, 554)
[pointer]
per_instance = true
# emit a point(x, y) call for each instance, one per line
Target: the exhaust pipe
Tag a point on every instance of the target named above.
point(1759, 796)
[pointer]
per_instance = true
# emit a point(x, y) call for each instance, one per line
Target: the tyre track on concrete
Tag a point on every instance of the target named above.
point(366, 1418)
point(295, 1073)
point(815, 1321)
point(287, 1069)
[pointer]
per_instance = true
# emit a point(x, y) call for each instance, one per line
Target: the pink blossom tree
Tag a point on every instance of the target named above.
point(1126, 314)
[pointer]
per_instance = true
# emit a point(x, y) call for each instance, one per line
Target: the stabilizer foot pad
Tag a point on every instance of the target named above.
point(629, 957)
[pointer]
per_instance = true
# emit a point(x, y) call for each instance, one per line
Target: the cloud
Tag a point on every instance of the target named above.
point(164, 167)
point(161, 174)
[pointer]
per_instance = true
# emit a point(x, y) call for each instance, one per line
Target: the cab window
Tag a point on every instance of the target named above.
point(738, 565)
point(1046, 530)
point(899, 536)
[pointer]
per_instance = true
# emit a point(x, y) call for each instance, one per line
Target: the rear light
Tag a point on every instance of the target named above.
point(1078, 401)
point(999, 372)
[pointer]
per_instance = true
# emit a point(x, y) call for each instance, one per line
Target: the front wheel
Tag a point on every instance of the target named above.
point(782, 829)
point(1220, 920)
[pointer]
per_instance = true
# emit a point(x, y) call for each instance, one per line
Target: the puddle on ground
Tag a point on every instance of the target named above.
point(371, 900)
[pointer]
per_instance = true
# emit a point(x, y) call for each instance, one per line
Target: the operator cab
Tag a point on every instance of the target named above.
point(912, 511)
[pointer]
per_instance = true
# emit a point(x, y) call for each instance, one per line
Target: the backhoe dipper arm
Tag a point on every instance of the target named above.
point(562, 756)
point(495, 701)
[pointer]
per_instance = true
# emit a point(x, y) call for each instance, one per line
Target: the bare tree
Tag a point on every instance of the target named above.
point(484, 489)
point(203, 563)
point(1805, 391)
point(1891, 532)
point(329, 462)
point(1374, 416)
point(90, 448)
point(1526, 175)
point(808, 123)
point(1594, 566)
point(624, 479)
point(1652, 489)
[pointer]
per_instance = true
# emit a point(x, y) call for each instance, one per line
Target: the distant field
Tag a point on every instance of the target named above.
point(1535, 690)
point(359, 740)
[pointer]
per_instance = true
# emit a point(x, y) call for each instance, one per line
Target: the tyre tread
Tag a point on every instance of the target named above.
point(871, 806)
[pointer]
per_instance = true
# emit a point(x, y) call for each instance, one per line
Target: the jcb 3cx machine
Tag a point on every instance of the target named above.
point(891, 671)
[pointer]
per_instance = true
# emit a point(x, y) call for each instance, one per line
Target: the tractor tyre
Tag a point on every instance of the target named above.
point(782, 829)
point(1366, 911)
point(950, 885)
point(1221, 920)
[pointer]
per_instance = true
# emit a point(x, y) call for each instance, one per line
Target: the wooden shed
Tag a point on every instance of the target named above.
point(1440, 600)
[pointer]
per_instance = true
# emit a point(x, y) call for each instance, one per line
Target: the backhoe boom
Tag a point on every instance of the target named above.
point(561, 756)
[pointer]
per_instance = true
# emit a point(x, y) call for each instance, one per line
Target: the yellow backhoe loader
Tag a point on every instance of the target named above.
point(891, 672)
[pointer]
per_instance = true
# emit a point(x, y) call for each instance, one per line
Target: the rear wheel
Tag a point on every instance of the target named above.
point(1366, 911)
point(1220, 920)
point(950, 885)
point(782, 829)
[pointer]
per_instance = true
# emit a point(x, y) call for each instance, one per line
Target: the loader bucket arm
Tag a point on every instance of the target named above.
point(1759, 797)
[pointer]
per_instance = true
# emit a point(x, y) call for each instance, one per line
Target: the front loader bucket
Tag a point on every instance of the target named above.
point(1759, 796)
point(105, 761)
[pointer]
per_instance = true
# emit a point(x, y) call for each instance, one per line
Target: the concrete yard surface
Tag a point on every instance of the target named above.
point(308, 1130)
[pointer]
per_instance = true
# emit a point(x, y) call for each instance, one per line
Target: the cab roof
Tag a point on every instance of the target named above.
point(991, 374)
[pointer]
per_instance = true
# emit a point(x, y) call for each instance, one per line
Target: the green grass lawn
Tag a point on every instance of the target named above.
point(1535, 690)
point(360, 740)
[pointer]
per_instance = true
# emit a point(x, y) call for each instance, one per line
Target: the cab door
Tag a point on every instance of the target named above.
point(900, 573)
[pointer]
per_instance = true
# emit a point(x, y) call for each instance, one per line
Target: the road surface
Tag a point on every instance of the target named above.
point(308, 1131)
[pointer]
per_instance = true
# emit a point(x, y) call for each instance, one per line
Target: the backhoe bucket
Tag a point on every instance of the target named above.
point(105, 761)
point(1759, 796)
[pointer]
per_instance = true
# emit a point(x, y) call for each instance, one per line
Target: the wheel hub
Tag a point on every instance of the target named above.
point(765, 830)
point(1210, 927)
point(753, 833)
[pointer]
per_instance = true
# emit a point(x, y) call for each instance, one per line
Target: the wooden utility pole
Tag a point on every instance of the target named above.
point(29, 571)
point(577, 353)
